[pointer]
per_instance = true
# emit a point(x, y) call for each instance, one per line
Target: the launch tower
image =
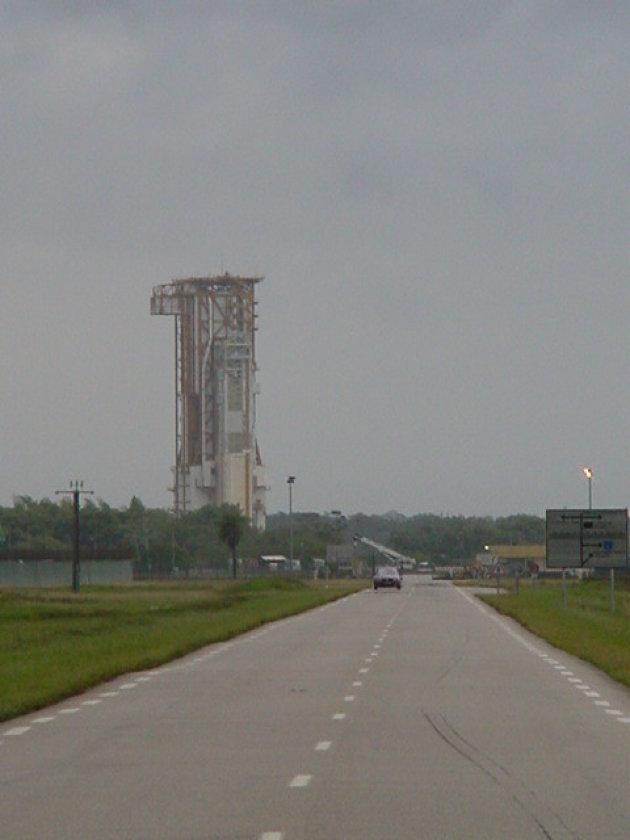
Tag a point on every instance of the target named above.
point(217, 459)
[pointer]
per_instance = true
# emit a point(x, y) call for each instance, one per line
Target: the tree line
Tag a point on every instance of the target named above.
point(158, 541)
point(161, 542)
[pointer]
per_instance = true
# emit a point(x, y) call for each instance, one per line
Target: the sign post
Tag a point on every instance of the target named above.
point(587, 539)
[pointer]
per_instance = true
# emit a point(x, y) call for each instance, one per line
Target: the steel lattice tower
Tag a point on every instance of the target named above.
point(217, 459)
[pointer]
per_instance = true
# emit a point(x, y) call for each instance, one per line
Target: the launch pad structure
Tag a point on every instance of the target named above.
point(217, 458)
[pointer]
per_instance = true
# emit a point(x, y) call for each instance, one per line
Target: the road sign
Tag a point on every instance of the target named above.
point(587, 539)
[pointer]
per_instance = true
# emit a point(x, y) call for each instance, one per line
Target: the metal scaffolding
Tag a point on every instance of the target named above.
point(217, 458)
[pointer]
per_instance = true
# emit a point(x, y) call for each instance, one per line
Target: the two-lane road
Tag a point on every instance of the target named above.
point(413, 714)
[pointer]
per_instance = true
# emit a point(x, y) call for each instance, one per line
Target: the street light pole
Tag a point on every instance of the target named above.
point(290, 482)
point(588, 472)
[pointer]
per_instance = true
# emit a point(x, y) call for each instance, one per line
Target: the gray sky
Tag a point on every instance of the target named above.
point(437, 197)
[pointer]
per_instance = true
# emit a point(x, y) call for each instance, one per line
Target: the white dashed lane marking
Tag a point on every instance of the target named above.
point(304, 780)
point(299, 781)
point(575, 682)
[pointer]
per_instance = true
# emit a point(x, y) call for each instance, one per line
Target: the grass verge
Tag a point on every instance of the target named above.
point(54, 644)
point(585, 627)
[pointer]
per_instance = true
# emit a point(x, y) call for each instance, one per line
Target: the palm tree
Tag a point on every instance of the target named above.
point(231, 527)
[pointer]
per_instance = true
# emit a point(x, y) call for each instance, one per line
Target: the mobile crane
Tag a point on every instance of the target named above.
point(401, 561)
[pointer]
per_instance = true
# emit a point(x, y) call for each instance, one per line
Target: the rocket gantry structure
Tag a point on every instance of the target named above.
point(217, 458)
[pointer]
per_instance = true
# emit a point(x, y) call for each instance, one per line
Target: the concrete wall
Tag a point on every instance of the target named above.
point(59, 573)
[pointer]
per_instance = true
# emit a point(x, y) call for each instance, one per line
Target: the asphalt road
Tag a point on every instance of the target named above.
point(413, 714)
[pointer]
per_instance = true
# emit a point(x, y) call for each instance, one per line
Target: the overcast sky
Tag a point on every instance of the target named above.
point(437, 195)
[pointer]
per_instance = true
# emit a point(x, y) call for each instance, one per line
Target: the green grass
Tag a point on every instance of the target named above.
point(585, 627)
point(54, 643)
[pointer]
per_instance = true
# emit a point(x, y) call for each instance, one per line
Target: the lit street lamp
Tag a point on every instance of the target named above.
point(290, 482)
point(588, 472)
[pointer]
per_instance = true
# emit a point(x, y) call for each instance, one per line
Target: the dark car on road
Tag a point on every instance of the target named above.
point(387, 576)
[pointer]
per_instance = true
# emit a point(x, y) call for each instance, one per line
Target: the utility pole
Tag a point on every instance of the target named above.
point(291, 482)
point(76, 489)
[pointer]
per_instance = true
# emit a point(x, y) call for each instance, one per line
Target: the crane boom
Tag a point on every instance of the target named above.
point(391, 554)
